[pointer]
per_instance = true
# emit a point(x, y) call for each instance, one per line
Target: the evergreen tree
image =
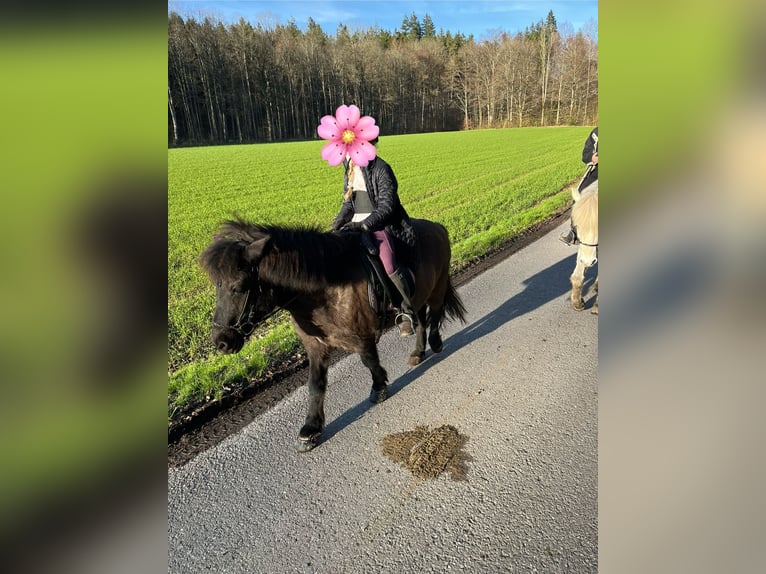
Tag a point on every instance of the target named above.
point(405, 28)
point(415, 29)
point(550, 23)
point(429, 30)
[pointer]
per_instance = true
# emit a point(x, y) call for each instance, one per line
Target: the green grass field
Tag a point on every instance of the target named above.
point(484, 186)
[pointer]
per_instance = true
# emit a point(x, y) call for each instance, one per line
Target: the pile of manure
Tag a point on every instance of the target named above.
point(428, 453)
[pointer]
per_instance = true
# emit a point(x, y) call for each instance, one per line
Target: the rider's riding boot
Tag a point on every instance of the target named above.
point(570, 238)
point(403, 280)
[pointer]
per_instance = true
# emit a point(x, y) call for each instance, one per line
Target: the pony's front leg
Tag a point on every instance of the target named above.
point(420, 339)
point(369, 356)
point(308, 437)
point(576, 279)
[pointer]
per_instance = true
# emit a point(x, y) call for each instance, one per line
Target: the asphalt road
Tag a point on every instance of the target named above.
point(519, 380)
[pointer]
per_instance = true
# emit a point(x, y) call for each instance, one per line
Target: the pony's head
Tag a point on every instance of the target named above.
point(231, 261)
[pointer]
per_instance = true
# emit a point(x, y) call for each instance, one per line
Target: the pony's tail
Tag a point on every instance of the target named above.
point(453, 305)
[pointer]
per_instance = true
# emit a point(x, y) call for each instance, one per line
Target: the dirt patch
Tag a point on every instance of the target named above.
point(210, 423)
point(428, 453)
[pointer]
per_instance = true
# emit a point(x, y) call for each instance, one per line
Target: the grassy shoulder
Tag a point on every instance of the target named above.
point(209, 379)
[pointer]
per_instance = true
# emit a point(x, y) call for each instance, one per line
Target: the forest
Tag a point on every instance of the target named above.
point(245, 83)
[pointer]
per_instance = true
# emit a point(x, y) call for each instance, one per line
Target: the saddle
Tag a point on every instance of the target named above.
point(382, 294)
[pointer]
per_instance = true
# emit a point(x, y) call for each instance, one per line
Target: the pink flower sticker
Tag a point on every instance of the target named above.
point(348, 133)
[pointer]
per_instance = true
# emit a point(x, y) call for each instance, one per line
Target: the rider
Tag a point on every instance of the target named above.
point(371, 204)
point(589, 157)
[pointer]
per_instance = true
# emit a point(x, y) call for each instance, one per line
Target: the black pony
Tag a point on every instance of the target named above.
point(320, 279)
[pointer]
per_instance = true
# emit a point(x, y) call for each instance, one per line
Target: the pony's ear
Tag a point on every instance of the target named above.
point(255, 250)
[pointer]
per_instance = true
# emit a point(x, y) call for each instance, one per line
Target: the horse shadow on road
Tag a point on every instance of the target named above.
point(541, 288)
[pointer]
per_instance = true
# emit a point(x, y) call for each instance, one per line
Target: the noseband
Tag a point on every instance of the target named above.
point(246, 328)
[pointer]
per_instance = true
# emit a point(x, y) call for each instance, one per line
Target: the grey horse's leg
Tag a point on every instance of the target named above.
point(576, 279)
point(594, 309)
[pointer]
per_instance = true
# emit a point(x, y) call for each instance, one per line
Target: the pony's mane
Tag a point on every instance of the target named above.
point(585, 214)
point(301, 257)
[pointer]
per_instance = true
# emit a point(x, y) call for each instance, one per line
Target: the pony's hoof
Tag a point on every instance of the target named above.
point(305, 444)
point(436, 343)
point(594, 311)
point(578, 305)
point(379, 396)
point(415, 359)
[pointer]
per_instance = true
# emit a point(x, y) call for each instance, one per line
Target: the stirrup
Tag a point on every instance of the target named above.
point(405, 323)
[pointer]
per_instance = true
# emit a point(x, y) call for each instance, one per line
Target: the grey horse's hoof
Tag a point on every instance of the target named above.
point(379, 396)
point(415, 359)
point(305, 444)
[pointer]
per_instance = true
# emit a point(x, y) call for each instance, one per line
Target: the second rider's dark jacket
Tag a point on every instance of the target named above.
point(590, 147)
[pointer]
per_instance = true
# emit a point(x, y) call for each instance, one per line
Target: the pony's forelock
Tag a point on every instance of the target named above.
point(221, 257)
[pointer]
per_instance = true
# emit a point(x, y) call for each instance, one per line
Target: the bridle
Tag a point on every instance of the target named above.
point(591, 245)
point(245, 328)
point(581, 242)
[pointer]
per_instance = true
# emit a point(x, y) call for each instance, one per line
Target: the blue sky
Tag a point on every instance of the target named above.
point(480, 18)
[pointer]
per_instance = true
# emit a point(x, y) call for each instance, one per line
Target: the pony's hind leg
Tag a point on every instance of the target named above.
point(370, 359)
point(434, 335)
point(420, 339)
point(308, 437)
